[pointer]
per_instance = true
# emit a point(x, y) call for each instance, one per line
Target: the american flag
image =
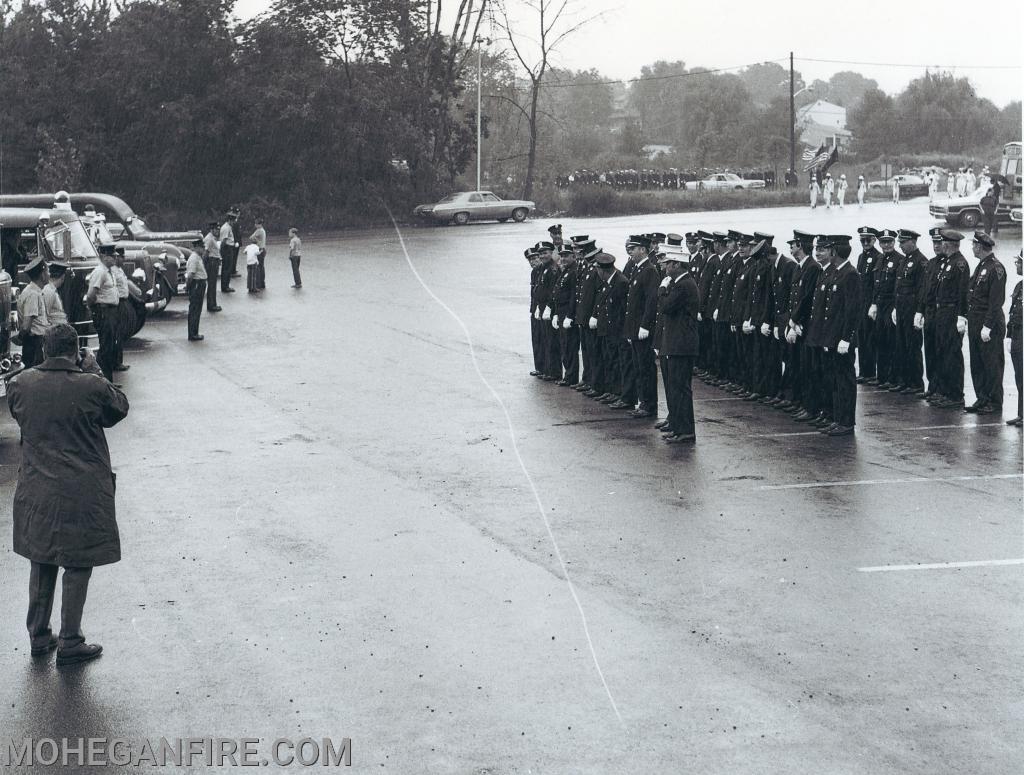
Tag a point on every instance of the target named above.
point(809, 154)
point(823, 158)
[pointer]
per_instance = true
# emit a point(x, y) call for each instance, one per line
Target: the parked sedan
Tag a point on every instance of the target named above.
point(910, 185)
point(728, 181)
point(466, 206)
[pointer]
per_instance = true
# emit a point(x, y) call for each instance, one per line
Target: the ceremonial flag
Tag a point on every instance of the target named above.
point(809, 154)
point(820, 158)
point(832, 159)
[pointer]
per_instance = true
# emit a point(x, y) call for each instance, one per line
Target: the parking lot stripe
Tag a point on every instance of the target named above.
point(887, 430)
point(942, 565)
point(908, 480)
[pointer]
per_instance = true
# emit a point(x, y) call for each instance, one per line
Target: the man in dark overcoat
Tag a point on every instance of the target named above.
point(64, 502)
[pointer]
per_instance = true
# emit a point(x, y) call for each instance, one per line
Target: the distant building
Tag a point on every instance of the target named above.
point(823, 123)
point(653, 150)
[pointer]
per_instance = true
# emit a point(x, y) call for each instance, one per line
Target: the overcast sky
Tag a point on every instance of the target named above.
point(724, 33)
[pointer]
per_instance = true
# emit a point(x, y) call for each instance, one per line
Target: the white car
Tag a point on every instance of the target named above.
point(466, 206)
point(724, 180)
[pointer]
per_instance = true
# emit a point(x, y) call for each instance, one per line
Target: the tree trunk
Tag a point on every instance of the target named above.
point(531, 157)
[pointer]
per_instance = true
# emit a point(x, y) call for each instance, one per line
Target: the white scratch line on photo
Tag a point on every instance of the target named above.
point(886, 430)
point(908, 480)
point(942, 565)
point(522, 465)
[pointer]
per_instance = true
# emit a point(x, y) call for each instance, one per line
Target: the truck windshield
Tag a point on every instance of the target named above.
point(75, 247)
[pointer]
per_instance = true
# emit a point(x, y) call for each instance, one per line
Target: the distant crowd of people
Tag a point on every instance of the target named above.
point(650, 179)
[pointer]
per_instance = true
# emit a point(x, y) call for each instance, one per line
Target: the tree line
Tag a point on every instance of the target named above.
point(322, 111)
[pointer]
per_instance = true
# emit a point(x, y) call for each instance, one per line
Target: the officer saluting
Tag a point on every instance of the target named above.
point(986, 327)
point(677, 342)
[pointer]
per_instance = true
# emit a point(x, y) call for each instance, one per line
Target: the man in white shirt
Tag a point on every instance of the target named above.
point(195, 283)
point(102, 300)
point(32, 314)
point(228, 254)
point(252, 266)
point(259, 235)
point(51, 297)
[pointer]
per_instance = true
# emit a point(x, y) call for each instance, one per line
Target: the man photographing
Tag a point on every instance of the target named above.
point(64, 502)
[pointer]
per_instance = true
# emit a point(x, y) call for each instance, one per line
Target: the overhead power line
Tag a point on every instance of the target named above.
point(906, 64)
point(709, 71)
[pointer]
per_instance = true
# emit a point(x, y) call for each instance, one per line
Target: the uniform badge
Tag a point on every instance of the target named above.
point(983, 272)
point(890, 264)
point(823, 287)
point(835, 287)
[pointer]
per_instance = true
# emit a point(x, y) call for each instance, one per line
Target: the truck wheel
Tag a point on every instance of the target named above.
point(969, 219)
point(461, 219)
point(738, 188)
point(519, 214)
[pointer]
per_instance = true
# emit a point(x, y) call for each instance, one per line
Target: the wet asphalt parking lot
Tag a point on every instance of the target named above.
point(340, 518)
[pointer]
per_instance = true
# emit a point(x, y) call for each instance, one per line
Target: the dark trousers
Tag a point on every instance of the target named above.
point(911, 357)
point(607, 374)
point(767, 365)
point(31, 349)
point(261, 272)
point(814, 379)
point(123, 313)
point(987, 363)
point(105, 321)
point(629, 381)
point(196, 294)
point(569, 345)
point(552, 351)
point(723, 344)
point(887, 344)
point(646, 373)
point(213, 269)
point(745, 349)
point(587, 348)
point(252, 273)
point(707, 346)
point(1015, 359)
point(41, 586)
point(843, 377)
point(296, 276)
point(867, 352)
point(949, 348)
point(990, 221)
point(792, 382)
point(538, 349)
point(677, 374)
point(229, 257)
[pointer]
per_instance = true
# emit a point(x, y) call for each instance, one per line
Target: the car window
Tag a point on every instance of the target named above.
point(475, 198)
point(491, 198)
point(447, 199)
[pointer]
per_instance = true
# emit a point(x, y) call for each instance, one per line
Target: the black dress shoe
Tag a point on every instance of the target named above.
point(582, 388)
point(46, 648)
point(83, 652)
point(121, 367)
point(661, 423)
point(642, 413)
point(873, 381)
point(668, 430)
point(990, 409)
point(562, 382)
point(577, 386)
point(974, 407)
point(534, 373)
point(681, 438)
point(861, 380)
point(908, 390)
point(1016, 421)
point(196, 338)
point(784, 405)
point(218, 309)
point(609, 399)
point(841, 430)
point(826, 428)
point(803, 416)
point(821, 422)
point(227, 290)
point(884, 386)
point(753, 397)
point(897, 388)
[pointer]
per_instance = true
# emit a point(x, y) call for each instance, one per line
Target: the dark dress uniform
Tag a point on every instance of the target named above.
point(1015, 333)
point(538, 360)
point(910, 292)
point(884, 299)
point(842, 319)
point(927, 309)
point(587, 287)
point(763, 381)
point(801, 298)
point(708, 277)
point(642, 312)
point(551, 358)
point(678, 344)
point(867, 352)
point(778, 349)
point(721, 305)
point(743, 344)
point(947, 294)
point(610, 311)
point(985, 310)
point(568, 338)
point(817, 379)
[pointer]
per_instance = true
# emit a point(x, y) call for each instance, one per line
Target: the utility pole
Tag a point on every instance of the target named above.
point(792, 117)
point(479, 80)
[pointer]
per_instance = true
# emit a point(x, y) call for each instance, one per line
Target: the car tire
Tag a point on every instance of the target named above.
point(519, 214)
point(738, 188)
point(502, 220)
point(461, 219)
point(968, 219)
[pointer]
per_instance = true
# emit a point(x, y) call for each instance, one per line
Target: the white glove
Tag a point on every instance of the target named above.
point(665, 283)
point(547, 313)
point(643, 333)
point(715, 316)
point(592, 323)
point(536, 314)
point(554, 321)
point(799, 330)
point(843, 348)
point(825, 349)
point(918, 321)
point(791, 336)
point(567, 323)
point(776, 331)
point(893, 316)
point(699, 317)
point(986, 334)
point(747, 327)
point(961, 324)
point(732, 328)
point(766, 330)
point(873, 312)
